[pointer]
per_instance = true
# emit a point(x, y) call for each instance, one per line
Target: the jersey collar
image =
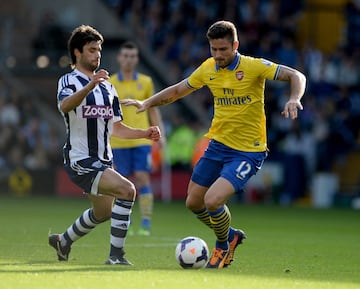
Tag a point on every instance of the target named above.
point(233, 64)
point(83, 75)
point(120, 76)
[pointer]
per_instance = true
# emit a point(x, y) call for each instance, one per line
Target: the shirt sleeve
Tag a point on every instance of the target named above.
point(269, 69)
point(195, 80)
point(65, 89)
point(118, 115)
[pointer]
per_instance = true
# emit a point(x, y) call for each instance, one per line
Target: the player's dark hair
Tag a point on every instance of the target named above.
point(81, 36)
point(128, 45)
point(222, 29)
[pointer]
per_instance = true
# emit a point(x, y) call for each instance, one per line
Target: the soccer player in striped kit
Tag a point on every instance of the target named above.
point(90, 107)
point(238, 144)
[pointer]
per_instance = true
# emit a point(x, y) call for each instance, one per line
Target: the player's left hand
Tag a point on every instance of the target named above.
point(100, 76)
point(291, 109)
point(154, 133)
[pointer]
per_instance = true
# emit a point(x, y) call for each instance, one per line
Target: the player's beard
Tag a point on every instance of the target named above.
point(91, 65)
point(222, 62)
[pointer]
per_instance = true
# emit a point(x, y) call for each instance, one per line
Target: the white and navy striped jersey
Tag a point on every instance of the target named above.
point(89, 125)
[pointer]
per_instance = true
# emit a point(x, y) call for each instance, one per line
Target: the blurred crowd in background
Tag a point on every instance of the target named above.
point(26, 139)
point(175, 33)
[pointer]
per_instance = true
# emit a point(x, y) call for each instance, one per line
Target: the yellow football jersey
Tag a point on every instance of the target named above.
point(239, 114)
point(140, 87)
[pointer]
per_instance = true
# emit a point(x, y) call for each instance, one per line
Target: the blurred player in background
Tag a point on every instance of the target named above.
point(132, 157)
point(91, 111)
point(238, 142)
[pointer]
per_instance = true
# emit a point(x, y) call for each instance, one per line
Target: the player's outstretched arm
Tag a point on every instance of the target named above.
point(123, 131)
point(297, 88)
point(165, 96)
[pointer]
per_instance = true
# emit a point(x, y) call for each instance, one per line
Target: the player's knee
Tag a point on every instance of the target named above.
point(127, 192)
point(189, 204)
point(213, 203)
point(193, 204)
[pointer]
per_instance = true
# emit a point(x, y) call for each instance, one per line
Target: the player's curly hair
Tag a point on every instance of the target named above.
point(80, 36)
point(222, 29)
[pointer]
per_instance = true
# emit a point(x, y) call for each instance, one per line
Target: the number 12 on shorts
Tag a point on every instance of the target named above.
point(242, 170)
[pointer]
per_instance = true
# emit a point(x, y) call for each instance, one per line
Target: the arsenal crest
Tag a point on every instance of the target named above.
point(239, 75)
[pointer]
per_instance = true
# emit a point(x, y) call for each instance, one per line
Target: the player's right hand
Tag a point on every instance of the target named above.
point(291, 109)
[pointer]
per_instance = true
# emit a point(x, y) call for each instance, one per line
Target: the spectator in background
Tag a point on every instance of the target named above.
point(9, 112)
point(352, 14)
point(132, 157)
point(51, 38)
point(181, 143)
point(300, 162)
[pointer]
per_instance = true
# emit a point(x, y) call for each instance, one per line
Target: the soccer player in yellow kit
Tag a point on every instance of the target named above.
point(132, 157)
point(237, 146)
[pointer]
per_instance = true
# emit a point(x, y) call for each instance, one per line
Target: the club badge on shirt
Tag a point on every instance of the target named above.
point(239, 75)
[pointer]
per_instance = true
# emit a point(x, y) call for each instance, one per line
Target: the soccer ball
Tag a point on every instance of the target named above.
point(192, 253)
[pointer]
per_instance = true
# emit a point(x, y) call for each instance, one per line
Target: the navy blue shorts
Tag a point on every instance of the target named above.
point(86, 173)
point(130, 160)
point(222, 161)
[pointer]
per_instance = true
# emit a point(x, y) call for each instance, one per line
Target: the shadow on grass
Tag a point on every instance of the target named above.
point(43, 267)
point(303, 241)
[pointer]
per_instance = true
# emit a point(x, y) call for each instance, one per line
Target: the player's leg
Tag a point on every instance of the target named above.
point(123, 164)
point(239, 168)
point(87, 176)
point(195, 202)
point(146, 201)
point(98, 180)
point(213, 214)
point(90, 218)
point(83, 225)
point(199, 184)
point(141, 158)
point(220, 218)
point(123, 190)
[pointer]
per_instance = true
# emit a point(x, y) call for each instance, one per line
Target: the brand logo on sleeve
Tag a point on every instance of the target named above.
point(97, 111)
point(266, 62)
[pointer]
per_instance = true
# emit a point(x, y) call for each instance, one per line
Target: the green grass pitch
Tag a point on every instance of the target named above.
point(286, 248)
